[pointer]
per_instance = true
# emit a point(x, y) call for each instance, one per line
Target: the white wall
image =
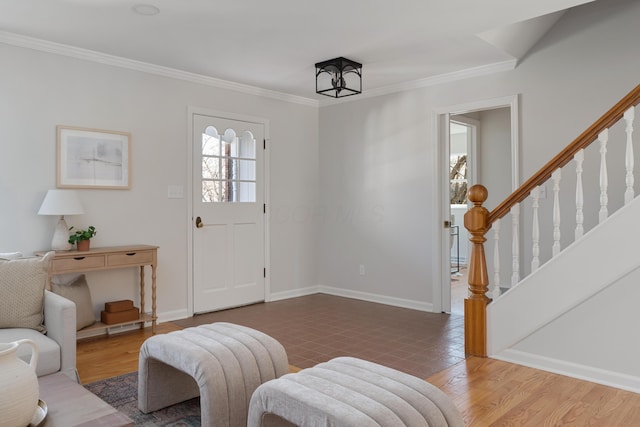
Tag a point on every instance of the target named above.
point(358, 180)
point(495, 173)
point(494, 154)
point(374, 159)
point(40, 90)
point(377, 154)
point(575, 315)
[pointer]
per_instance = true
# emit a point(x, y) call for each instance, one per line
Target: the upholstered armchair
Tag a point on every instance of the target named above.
point(28, 310)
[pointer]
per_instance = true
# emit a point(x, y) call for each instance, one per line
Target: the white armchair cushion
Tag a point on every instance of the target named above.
point(48, 350)
point(22, 285)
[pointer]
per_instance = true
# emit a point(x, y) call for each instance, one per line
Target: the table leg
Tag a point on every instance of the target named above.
point(153, 298)
point(142, 294)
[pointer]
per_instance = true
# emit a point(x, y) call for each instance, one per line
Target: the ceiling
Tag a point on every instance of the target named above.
point(273, 45)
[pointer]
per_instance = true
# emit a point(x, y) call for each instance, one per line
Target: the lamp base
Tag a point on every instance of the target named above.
point(60, 240)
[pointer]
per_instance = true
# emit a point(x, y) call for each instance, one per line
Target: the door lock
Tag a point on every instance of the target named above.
point(447, 224)
point(199, 223)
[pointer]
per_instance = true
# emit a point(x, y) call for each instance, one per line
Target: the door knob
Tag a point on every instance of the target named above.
point(199, 223)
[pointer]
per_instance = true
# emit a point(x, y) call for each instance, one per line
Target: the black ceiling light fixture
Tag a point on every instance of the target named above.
point(338, 77)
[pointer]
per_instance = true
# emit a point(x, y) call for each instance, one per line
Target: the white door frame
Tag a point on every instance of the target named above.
point(441, 279)
point(191, 111)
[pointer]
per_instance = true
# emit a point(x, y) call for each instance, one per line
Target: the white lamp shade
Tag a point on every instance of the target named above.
point(61, 202)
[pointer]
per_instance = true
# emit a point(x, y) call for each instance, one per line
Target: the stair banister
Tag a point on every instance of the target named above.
point(475, 317)
point(565, 156)
point(478, 221)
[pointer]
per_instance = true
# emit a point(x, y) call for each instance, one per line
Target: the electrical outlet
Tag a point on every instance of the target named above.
point(361, 270)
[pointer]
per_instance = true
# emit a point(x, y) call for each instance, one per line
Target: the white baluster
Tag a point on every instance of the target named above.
point(579, 158)
point(515, 245)
point(603, 137)
point(628, 117)
point(555, 249)
point(495, 288)
point(535, 230)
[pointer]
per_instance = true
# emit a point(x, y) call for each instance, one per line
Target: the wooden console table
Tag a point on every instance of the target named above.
point(108, 258)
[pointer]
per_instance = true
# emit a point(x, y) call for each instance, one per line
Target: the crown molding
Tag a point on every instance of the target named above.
point(130, 64)
point(481, 70)
point(145, 67)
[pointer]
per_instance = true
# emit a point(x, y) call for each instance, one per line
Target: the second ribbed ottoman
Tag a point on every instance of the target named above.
point(221, 362)
point(349, 392)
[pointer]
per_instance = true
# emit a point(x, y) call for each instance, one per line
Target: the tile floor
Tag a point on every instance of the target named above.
point(318, 327)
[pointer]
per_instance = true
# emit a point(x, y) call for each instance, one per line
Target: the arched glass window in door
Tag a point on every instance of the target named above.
point(228, 166)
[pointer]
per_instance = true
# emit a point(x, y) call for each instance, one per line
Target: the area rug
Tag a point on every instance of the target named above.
point(121, 392)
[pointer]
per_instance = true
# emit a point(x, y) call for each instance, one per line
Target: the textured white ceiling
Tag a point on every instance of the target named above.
point(274, 44)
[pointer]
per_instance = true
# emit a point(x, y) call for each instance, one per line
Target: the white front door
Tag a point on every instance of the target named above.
point(228, 213)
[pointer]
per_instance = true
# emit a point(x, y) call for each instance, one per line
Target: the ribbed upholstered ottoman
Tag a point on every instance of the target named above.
point(350, 392)
point(222, 362)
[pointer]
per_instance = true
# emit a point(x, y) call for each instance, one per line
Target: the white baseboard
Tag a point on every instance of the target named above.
point(381, 299)
point(168, 316)
point(364, 296)
point(294, 293)
point(569, 369)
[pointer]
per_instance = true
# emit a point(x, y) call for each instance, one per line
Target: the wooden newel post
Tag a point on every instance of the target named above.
point(475, 315)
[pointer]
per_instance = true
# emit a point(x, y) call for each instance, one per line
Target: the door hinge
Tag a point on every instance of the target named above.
point(264, 208)
point(264, 273)
point(264, 144)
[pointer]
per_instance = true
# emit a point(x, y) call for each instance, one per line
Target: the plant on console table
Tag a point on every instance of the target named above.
point(82, 238)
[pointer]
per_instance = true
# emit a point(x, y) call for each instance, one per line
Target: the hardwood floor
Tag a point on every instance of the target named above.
point(109, 356)
point(488, 392)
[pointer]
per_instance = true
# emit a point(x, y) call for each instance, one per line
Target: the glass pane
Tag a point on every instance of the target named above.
point(458, 179)
point(211, 167)
point(247, 170)
point(210, 191)
point(210, 145)
point(229, 168)
point(233, 169)
point(234, 191)
point(247, 146)
point(246, 191)
point(230, 143)
point(458, 192)
point(227, 191)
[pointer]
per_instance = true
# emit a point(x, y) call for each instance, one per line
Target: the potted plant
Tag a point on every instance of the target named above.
point(82, 237)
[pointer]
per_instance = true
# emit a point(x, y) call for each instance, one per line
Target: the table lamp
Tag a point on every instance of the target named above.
point(61, 202)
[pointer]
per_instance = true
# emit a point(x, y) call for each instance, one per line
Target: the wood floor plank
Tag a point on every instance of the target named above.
point(110, 356)
point(490, 392)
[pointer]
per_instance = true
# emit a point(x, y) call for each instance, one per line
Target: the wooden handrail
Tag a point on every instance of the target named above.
point(478, 221)
point(587, 137)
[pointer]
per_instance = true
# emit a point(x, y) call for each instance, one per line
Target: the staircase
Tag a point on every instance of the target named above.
point(575, 312)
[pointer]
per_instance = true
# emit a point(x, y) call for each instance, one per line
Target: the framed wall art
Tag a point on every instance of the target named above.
point(93, 158)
